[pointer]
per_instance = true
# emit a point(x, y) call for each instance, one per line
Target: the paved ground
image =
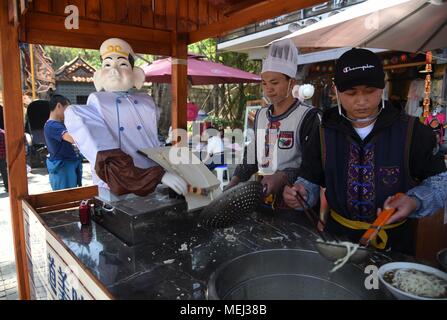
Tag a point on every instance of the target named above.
point(37, 183)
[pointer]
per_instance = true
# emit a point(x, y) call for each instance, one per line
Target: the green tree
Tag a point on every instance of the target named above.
point(207, 47)
point(236, 95)
point(229, 99)
point(60, 55)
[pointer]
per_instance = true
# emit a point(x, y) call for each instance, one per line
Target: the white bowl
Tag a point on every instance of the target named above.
point(402, 295)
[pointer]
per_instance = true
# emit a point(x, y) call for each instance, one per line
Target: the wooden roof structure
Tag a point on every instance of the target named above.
point(162, 27)
point(76, 70)
point(148, 25)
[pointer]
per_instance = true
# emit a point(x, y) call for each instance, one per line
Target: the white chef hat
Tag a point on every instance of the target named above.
point(282, 57)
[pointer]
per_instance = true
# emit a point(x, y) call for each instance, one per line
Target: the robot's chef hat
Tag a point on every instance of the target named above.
point(282, 57)
point(115, 46)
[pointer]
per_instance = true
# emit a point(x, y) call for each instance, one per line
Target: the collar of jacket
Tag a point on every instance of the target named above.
point(296, 103)
point(332, 120)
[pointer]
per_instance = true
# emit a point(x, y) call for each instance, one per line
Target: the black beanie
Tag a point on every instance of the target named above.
point(359, 67)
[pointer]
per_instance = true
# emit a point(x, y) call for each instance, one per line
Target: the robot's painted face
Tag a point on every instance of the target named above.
point(116, 74)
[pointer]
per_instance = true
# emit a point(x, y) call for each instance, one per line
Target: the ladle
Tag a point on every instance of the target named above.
point(333, 250)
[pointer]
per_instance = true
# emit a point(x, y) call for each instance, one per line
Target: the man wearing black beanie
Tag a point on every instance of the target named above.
point(364, 154)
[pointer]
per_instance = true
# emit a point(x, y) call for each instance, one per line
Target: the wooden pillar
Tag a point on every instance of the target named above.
point(11, 86)
point(179, 80)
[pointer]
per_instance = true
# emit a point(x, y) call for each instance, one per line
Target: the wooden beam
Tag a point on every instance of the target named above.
point(93, 9)
point(213, 14)
point(23, 6)
point(81, 4)
point(160, 14)
point(135, 12)
point(203, 12)
point(255, 13)
point(11, 8)
point(58, 207)
point(53, 198)
point(56, 23)
point(193, 13)
point(242, 5)
point(171, 15)
point(59, 6)
point(121, 11)
point(147, 14)
point(182, 16)
point(108, 12)
point(48, 29)
point(42, 6)
point(179, 80)
point(16, 11)
point(11, 86)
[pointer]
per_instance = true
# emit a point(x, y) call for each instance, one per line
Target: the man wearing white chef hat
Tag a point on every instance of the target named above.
point(116, 123)
point(281, 129)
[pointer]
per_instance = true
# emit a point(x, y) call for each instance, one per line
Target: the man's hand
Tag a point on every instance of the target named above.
point(67, 137)
point(404, 205)
point(290, 196)
point(174, 182)
point(274, 182)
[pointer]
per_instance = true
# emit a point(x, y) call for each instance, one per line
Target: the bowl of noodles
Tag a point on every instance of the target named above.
point(413, 281)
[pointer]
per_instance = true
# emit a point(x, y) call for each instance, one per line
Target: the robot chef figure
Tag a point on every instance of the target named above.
point(116, 123)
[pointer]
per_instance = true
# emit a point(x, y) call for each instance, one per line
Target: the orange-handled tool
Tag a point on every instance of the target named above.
point(380, 221)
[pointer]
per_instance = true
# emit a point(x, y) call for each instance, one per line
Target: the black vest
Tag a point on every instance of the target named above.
point(361, 176)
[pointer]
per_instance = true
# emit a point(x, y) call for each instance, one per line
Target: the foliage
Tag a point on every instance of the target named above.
point(230, 99)
point(219, 122)
point(206, 47)
point(60, 55)
point(144, 59)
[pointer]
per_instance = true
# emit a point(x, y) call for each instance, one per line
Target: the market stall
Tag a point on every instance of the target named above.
point(153, 27)
point(180, 256)
point(57, 256)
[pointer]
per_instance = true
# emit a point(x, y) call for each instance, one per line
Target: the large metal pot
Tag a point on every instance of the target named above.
point(442, 258)
point(288, 274)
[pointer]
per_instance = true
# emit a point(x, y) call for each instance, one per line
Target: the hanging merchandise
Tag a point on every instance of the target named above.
point(436, 121)
point(415, 95)
point(428, 69)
